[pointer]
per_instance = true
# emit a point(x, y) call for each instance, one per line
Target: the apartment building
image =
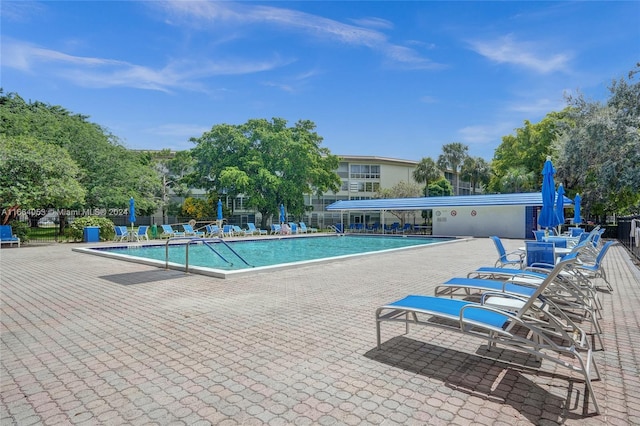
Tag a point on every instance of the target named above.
point(362, 176)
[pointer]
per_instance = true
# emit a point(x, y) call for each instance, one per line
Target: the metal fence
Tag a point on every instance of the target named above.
point(49, 231)
point(629, 235)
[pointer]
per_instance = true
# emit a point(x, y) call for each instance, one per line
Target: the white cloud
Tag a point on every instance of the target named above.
point(529, 55)
point(313, 25)
point(373, 22)
point(101, 72)
point(483, 134)
point(21, 11)
point(538, 107)
point(428, 99)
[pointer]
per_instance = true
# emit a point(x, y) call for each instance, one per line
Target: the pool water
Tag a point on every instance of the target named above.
point(268, 252)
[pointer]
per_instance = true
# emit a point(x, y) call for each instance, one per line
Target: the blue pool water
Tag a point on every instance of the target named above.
point(269, 252)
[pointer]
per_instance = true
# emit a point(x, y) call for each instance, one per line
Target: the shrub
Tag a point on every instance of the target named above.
point(76, 230)
point(21, 230)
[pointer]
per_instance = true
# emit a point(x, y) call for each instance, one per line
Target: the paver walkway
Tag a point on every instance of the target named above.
point(89, 340)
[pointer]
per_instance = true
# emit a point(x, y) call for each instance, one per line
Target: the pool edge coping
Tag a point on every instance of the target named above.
point(224, 274)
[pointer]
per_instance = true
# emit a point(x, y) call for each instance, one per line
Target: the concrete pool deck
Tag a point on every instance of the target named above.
point(90, 340)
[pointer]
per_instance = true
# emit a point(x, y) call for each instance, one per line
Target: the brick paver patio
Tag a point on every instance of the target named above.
point(89, 340)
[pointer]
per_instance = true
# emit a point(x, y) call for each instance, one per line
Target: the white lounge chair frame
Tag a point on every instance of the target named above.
point(544, 336)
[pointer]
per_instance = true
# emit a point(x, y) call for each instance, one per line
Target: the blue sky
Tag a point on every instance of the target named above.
point(390, 79)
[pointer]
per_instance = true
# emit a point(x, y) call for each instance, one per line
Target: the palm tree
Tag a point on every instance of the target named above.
point(426, 171)
point(452, 157)
point(475, 170)
point(517, 179)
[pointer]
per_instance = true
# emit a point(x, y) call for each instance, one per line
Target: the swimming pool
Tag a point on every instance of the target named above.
point(221, 258)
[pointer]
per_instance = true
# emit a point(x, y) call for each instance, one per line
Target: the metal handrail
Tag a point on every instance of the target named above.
point(205, 242)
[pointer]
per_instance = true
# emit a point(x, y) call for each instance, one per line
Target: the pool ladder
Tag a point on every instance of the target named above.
point(204, 241)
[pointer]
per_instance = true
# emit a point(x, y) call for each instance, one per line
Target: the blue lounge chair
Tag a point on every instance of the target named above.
point(539, 235)
point(540, 254)
point(121, 233)
point(168, 232)
point(305, 229)
point(189, 231)
point(255, 231)
point(293, 227)
point(576, 232)
point(7, 236)
point(595, 270)
point(227, 231)
point(514, 258)
point(237, 231)
point(142, 233)
point(212, 230)
point(407, 228)
point(275, 228)
point(528, 328)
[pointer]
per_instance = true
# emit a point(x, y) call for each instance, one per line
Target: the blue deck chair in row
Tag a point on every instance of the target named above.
point(540, 254)
point(212, 231)
point(141, 234)
point(168, 232)
point(514, 258)
point(521, 330)
point(373, 227)
point(121, 233)
point(566, 297)
point(595, 270)
point(7, 236)
point(304, 228)
point(576, 232)
point(227, 231)
point(251, 229)
point(575, 275)
point(190, 232)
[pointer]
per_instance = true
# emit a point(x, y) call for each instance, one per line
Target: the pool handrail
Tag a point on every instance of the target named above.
point(205, 242)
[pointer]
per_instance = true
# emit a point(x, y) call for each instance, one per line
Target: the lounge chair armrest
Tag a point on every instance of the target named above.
point(502, 295)
point(541, 266)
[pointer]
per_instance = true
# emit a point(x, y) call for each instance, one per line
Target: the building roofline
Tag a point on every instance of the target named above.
point(425, 203)
point(375, 159)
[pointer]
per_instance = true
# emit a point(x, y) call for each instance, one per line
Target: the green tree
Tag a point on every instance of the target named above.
point(440, 188)
point(599, 157)
point(110, 173)
point(401, 190)
point(452, 158)
point(426, 172)
point(527, 149)
point(174, 169)
point(37, 175)
point(197, 208)
point(518, 179)
point(267, 162)
point(476, 171)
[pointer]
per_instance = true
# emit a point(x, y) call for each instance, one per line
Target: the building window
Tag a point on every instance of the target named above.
point(364, 171)
point(372, 186)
